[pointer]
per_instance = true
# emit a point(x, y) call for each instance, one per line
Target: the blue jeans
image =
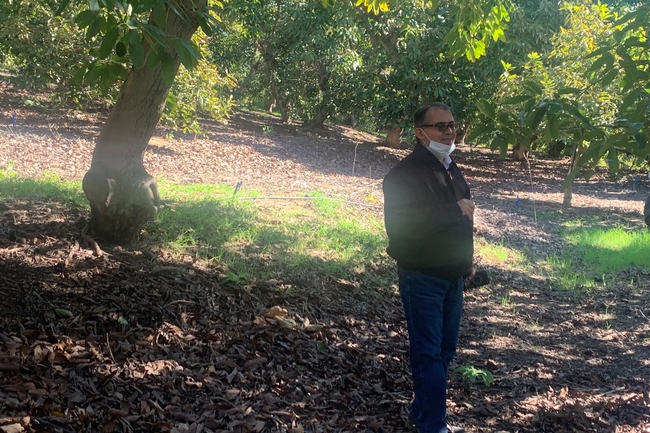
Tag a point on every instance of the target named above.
point(433, 307)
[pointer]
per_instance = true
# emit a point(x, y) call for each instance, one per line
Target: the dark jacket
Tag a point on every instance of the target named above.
point(426, 229)
point(646, 211)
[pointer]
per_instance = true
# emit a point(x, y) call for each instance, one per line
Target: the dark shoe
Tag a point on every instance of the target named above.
point(450, 428)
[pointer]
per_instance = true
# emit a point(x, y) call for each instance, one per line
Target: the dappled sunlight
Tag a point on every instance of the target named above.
point(235, 311)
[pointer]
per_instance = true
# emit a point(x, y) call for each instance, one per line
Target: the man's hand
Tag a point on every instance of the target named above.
point(467, 207)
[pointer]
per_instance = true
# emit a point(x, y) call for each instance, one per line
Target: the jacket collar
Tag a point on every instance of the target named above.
point(429, 158)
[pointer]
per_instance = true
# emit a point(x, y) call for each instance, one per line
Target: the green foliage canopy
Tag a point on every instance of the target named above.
point(591, 91)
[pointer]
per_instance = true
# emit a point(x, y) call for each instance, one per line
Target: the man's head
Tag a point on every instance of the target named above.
point(435, 122)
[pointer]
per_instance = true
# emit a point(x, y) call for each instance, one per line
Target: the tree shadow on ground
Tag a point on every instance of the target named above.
point(123, 340)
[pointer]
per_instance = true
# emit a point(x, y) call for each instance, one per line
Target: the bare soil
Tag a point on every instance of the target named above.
point(97, 338)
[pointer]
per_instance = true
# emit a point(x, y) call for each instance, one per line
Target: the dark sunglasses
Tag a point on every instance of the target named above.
point(442, 127)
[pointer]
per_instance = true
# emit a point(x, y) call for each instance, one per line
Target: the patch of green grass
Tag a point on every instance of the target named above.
point(267, 238)
point(497, 254)
point(566, 273)
point(612, 249)
point(50, 186)
point(593, 254)
point(256, 238)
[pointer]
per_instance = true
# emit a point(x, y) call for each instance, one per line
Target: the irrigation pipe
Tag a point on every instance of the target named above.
point(532, 191)
point(279, 197)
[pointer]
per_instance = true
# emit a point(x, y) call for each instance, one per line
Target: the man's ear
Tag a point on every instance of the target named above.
point(419, 133)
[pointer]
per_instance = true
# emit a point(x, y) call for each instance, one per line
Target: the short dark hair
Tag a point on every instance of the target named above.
point(421, 113)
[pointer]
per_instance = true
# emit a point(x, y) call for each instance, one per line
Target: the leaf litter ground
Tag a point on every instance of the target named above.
point(102, 339)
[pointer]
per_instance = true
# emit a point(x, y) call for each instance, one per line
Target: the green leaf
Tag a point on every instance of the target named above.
point(593, 153)
point(529, 105)
point(609, 77)
point(109, 42)
point(135, 49)
point(93, 5)
point(535, 117)
point(64, 4)
point(186, 52)
point(133, 23)
point(577, 113)
point(93, 73)
point(532, 87)
point(504, 118)
point(569, 90)
point(62, 312)
point(630, 99)
point(605, 59)
point(105, 81)
point(95, 27)
point(553, 127)
point(478, 131)
point(625, 18)
point(487, 109)
point(516, 99)
point(640, 140)
point(160, 15)
point(83, 19)
point(155, 33)
point(205, 26)
point(496, 142)
point(121, 5)
point(168, 69)
point(118, 70)
point(599, 51)
point(503, 149)
point(554, 107)
point(78, 77)
point(153, 58)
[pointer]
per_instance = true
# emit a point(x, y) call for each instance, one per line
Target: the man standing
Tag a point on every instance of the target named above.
point(428, 216)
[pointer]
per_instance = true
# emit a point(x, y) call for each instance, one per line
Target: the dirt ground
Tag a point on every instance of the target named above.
point(103, 339)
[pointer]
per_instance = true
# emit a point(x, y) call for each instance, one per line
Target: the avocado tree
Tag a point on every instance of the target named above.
point(42, 49)
point(589, 92)
point(341, 61)
point(420, 56)
point(141, 44)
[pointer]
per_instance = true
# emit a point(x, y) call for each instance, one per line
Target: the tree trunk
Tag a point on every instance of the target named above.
point(394, 137)
point(123, 196)
point(461, 134)
point(322, 112)
point(318, 121)
point(568, 192)
point(519, 153)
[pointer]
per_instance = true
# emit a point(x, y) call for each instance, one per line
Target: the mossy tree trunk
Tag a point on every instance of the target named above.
point(394, 137)
point(123, 196)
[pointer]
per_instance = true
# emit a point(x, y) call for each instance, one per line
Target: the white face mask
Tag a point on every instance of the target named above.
point(441, 150)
